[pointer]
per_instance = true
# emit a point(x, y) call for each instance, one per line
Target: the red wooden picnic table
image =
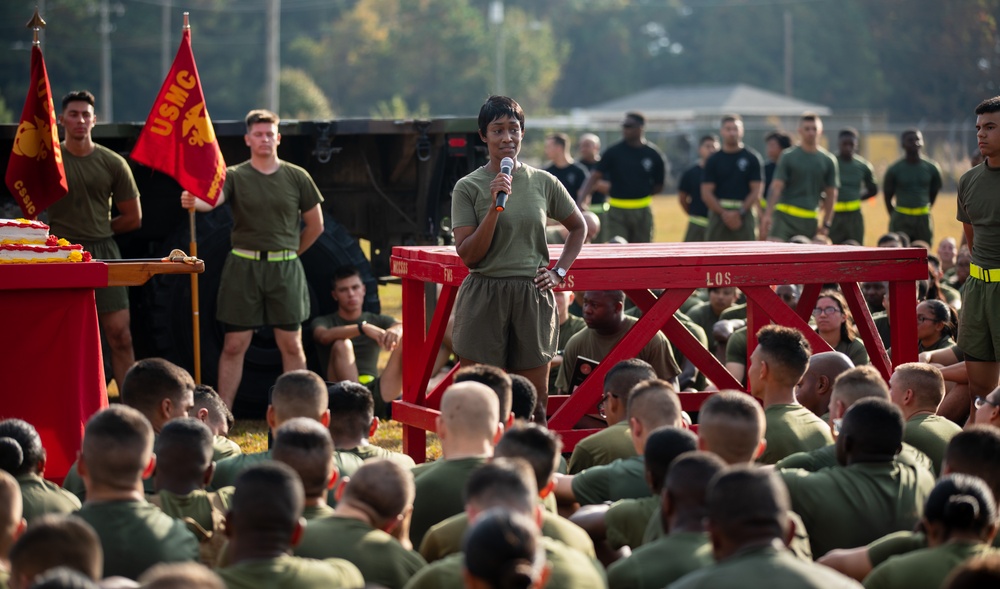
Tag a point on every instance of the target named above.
point(677, 269)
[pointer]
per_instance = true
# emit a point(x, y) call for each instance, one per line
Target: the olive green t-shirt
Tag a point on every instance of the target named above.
point(196, 505)
point(446, 537)
point(662, 562)
point(227, 470)
point(318, 511)
point(267, 208)
point(74, 483)
point(603, 447)
point(925, 568)
point(590, 344)
point(913, 182)
point(930, 434)
point(290, 572)
point(572, 326)
point(136, 535)
point(854, 174)
point(372, 451)
point(626, 521)
point(366, 350)
point(223, 447)
point(853, 349)
point(570, 570)
point(439, 489)
point(790, 429)
point(849, 506)
point(40, 497)
point(94, 181)
point(622, 479)
point(704, 316)
point(518, 247)
point(826, 457)
point(772, 566)
point(806, 175)
point(379, 556)
point(978, 206)
point(898, 543)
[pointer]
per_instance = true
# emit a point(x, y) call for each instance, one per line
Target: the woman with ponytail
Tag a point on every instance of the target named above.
point(960, 521)
point(22, 455)
point(503, 550)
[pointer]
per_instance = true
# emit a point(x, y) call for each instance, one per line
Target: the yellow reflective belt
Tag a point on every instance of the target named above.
point(914, 212)
point(365, 378)
point(699, 221)
point(730, 204)
point(631, 203)
point(278, 256)
point(984, 274)
point(847, 206)
point(795, 211)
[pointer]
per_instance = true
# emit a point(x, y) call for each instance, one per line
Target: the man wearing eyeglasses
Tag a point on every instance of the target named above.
point(636, 170)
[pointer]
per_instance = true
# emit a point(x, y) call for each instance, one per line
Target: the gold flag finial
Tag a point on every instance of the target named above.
point(36, 24)
point(187, 25)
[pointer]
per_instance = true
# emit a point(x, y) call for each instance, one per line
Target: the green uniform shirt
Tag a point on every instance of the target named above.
point(590, 344)
point(898, 543)
point(446, 537)
point(366, 350)
point(844, 507)
point(626, 521)
point(913, 183)
point(311, 512)
point(379, 556)
point(700, 382)
point(223, 447)
point(570, 570)
point(664, 561)
point(854, 173)
point(290, 572)
point(604, 447)
point(439, 489)
point(572, 326)
point(853, 349)
point(518, 247)
point(136, 535)
point(924, 568)
point(704, 316)
point(227, 470)
point(622, 479)
point(267, 207)
point(978, 206)
point(196, 505)
point(826, 457)
point(790, 429)
point(930, 434)
point(94, 180)
point(806, 175)
point(40, 497)
point(74, 483)
point(369, 451)
point(736, 347)
point(771, 566)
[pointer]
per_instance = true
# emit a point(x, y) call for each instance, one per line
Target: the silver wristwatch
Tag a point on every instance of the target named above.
point(560, 272)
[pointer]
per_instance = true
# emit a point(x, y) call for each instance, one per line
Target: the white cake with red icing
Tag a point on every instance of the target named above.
point(28, 242)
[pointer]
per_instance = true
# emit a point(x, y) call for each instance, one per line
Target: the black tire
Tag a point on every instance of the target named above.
point(170, 306)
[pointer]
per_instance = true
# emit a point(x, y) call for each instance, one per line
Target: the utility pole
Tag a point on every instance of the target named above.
point(165, 38)
point(496, 19)
point(788, 53)
point(272, 61)
point(105, 28)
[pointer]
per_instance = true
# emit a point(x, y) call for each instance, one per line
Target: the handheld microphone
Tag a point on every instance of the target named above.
point(506, 166)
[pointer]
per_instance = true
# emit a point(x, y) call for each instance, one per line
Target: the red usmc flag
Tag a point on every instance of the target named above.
point(35, 173)
point(178, 138)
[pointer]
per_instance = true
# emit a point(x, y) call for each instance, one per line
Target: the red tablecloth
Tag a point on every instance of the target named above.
point(51, 369)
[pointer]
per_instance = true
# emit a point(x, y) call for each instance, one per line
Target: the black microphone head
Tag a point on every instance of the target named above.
point(506, 165)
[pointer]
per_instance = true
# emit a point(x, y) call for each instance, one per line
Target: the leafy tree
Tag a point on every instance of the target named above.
point(301, 98)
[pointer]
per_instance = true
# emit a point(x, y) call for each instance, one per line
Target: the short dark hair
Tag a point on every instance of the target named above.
point(383, 486)
point(848, 132)
point(746, 503)
point(345, 271)
point(872, 426)
point(654, 403)
point(523, 396)
point(493, 377)
point(503, 547)
point(57, 540)
point(352, 409)
point(184, 449)
point(503, 482)
point(636, 116)
point(740, 422)
point(78, 96)
point(963, 503)
point(908, 132)
point(706, 138)
point(261, 115)
point(624, 375)
point(205, 397)
point(809, 116)
point(268, 499)
point(534, 444)
point(686, 482)
point(151, 380)
point(785, 347)
point(20, 447)
point(497, 107)
point(976, 451)
point(887, 237)
point(306, 446)
point(989, 105)
point(117, 446)
point(299, 393)
point(783, 139)
point(662, 447)
point(63, 578)
point(560, 139)
point(734, 118)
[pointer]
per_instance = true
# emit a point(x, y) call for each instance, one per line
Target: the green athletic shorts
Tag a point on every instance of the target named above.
point(916, 227)
point(694, 233)
point(505, 322)
point(979, 323)
point(635, 225)
point(717, 230)
point(847, 225)
point(785, 226)
point(254, 293)
point(112, 298)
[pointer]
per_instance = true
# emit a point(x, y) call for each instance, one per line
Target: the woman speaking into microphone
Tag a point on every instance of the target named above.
point(505, 313)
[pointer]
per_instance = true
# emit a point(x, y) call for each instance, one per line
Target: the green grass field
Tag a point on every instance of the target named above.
point(671, 224)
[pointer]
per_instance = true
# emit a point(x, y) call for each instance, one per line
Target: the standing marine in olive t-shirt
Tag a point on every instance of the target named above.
point(97, 177)
point(914, 181)
point(263, 282)
point(857, 184)
point(805, 178)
